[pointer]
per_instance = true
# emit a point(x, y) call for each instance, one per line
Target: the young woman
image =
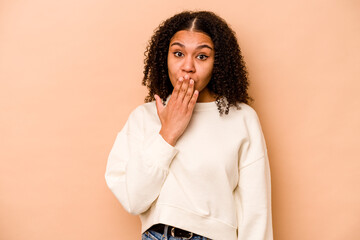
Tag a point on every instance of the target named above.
point(192, 160)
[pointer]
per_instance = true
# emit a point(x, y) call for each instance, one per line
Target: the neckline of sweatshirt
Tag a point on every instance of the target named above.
point(202, 106)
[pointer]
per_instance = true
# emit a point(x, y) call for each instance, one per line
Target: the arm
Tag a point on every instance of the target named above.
point(253, 199)
point(137, 167)
point(253, 193)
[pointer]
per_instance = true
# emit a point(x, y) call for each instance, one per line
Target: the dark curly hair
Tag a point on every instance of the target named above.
point(228, 83)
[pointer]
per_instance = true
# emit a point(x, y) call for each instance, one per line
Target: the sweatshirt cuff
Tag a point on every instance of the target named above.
point(159, 152)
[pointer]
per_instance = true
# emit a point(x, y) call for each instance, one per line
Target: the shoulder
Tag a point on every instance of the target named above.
point(257, 144)
point(139, 117)
point(248, 110)
point(142, 110)
point(250, 120)
point(245, 111)
point(143, 113)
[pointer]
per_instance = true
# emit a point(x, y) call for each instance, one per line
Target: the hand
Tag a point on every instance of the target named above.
point(176, 115)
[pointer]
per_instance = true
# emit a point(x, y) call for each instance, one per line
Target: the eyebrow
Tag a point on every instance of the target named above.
point(198, 47)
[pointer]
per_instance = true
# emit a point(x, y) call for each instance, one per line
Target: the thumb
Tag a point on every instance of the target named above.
point(159, 105)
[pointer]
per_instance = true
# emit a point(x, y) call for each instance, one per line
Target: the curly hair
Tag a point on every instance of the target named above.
point(228, 83)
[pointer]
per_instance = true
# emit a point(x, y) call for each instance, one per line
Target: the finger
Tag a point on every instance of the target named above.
point(193, 100)
point(189, 92)
point(159, 105)
point(177, 87)
point(183, 89)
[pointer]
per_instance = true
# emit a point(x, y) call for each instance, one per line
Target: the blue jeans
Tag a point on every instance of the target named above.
point(152, 235)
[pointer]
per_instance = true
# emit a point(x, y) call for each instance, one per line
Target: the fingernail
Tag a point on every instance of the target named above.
point(181, 78)
point(191, 81)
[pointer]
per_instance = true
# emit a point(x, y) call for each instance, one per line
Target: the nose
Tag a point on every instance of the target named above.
point(188, 65)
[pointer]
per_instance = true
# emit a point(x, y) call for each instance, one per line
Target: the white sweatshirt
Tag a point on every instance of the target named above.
point(215, 182)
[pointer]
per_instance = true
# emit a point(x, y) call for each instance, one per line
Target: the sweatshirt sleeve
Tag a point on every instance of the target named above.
point(253, 192)
point(137, 165)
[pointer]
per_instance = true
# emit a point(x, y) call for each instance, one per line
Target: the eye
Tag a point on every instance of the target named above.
point(202, 57)
point(178, 54)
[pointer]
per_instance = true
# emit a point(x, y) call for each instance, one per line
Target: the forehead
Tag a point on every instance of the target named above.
point(191, 37)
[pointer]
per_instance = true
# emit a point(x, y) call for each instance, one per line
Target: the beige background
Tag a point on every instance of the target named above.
point(70, 74)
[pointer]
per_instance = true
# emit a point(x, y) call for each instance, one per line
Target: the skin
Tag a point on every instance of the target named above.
point(190, 64)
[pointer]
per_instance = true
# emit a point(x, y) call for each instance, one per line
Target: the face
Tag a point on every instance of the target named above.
point(191, 54)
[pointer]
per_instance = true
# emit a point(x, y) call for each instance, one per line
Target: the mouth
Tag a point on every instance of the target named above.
point(188, 78)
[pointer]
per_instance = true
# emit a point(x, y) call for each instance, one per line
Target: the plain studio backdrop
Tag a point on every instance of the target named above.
point(71, 71)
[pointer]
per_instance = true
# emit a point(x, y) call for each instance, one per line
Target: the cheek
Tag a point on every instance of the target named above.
point(207, 72)
point(171, 66)
point(207, 75)
point(171, 72)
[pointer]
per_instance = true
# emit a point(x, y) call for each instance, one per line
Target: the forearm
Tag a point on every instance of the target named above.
point(136, 170)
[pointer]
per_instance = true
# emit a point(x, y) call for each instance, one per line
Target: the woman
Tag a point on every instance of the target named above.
point(192, 160)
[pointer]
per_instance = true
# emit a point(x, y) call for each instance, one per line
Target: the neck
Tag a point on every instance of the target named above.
point(205, 96)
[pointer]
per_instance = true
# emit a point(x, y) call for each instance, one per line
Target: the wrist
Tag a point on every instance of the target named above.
point(170, 139)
